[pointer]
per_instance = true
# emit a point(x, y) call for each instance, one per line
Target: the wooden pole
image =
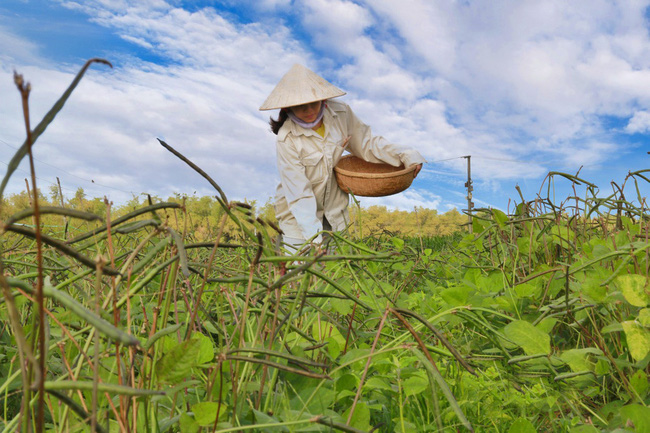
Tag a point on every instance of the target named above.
point(470, 188)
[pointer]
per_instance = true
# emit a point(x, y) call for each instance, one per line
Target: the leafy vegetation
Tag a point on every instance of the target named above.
point(536, 321)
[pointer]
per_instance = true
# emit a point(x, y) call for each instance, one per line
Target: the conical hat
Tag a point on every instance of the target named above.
point(300, 86)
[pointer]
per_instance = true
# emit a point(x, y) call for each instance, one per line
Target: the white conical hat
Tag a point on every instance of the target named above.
point(300, 86)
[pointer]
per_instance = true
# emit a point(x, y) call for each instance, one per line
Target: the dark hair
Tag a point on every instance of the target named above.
point(277, 124)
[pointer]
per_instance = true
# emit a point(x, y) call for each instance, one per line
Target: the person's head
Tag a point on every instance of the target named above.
point(300, 91)
point(307, 112)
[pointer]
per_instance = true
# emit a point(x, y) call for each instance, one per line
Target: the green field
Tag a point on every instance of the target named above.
point(533, 322)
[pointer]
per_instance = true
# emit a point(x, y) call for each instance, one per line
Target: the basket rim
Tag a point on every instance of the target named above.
point(371, 175)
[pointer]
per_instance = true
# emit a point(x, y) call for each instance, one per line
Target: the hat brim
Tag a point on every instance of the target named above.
point(300, 86)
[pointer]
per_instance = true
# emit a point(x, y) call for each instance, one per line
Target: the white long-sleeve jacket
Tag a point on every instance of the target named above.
point(308, 189)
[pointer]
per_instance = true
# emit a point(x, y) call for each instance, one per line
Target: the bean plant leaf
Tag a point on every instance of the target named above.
point(206, 348)
point(638, 416)
point(325, 331)
point(634, 289)
point(584, 429)
point(499, 217)
point(522, 425)
point(205, 413)
point(360, 418)
point(477, 226)
point(187, 424)
point(644, 318)
point(579, 359)
point(398, 243)
point(530, 338)
point(456, 296)
point(639, 382)
point(177, 364)
point(638, 339)
point(416, 384)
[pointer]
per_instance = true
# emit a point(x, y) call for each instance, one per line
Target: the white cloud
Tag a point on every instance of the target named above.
point(520, 85)
point(16, 48)
point(639, 123)
point(205, 106)
point(407, 200)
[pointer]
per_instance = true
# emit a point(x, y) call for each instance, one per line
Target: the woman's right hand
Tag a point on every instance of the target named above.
point(417, 170)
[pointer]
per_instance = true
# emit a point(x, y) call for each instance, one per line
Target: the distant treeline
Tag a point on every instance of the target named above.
point(202, 215)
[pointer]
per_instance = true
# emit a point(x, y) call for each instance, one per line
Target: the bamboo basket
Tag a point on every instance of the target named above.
point(368, 179)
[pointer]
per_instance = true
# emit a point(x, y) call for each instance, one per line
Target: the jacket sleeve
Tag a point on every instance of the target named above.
point(376, 148)
point(297, 189)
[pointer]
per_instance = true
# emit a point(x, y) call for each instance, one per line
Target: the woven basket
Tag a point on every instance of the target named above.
point(363, 178)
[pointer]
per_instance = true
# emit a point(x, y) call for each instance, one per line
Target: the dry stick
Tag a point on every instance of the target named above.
point(206, 274)
point(98, 283)
point(81, 352)
point(71, 373)
point(65, 218)
point(116, 311)
point(440, 337)
point(365, 370)
point(24, 89)
point(220, 370)
point(74, 407)
point(196, 168)
point(65, 249)
point(270, 341)
point(24, 350)
point(242, 322)
point(31, 201)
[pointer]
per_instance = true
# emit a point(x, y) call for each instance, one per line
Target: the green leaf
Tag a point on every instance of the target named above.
point(348, 381)
point(639, 382)
point(435, 377)
point(527, 290)
point(644, 318)
point(584, 429)
point(499, 217)
point(341, 306)
point(262, 418)
point(614, 327)
point(456, 296)
point(206, 348)
point(187, 424)
point(360, 417)
point(177, 364)
point(638, 415)
point(398, 243)
point(579, 359)
point(377, 383)
point(205, 413)
point(416, 384)
point(633, 288)
point(530, 338)
point(592, 288)
point(477, 225)
point(602, 367)
point(522, 425)
point(325, 331)
point(638, 339)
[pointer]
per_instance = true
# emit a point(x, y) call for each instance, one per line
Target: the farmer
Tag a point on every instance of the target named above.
point(313, 131)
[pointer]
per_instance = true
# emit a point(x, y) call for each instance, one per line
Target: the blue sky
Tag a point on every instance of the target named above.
point(524, 87)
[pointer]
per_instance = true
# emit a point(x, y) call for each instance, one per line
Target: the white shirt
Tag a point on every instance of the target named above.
point(308, 189)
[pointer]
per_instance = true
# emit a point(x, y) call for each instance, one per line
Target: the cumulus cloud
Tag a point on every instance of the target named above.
point(639, 123)
point(522, 86)
point(204, 103)
point(407, 200)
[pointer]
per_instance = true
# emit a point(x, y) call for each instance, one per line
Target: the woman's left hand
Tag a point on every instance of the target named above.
point(417, 170)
